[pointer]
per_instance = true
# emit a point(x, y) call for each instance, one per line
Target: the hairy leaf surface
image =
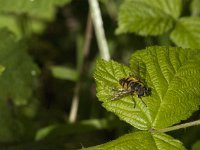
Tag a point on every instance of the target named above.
point(148, 17)
point(107, 76)
point(143, 141)
point(171, 73)
point(187, 32)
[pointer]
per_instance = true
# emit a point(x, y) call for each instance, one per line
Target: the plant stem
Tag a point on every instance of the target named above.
point(99, 30)
point(74, 106)
point(86, 49)
point(180, 126)
point(88, 36)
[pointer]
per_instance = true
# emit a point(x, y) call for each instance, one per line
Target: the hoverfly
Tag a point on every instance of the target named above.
point(132, 86)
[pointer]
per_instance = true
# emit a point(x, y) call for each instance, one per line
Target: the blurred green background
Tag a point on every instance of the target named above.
point(47, 91)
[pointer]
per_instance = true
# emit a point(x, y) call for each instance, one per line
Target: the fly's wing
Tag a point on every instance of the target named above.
point(139, 69)
point(120, 94)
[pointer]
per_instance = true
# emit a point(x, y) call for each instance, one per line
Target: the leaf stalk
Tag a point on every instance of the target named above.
point(180, 126)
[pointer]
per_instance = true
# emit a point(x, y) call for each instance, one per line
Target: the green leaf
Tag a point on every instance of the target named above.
point(10, 22)
point(61, 130)
point(14, 24)
point(16, 84)
point(107, 76)
point(196, 145)
point(195, 8)
point(9, 126)
point(18, 78)
point(187, 32)
point(33, 13)
point(148, 17)
point(2, 68)
point(142, 141)
point(171, 73)
point(34, 8)
point(64, 73)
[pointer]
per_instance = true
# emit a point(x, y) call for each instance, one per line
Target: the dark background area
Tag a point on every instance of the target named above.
point(58, 44)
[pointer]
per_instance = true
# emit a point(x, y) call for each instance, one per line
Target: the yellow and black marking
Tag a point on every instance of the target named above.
point(131, 86)
point(127, 83)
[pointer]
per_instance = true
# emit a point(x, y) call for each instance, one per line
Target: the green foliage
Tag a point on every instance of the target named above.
point(66, 129)
point(186, 32)
point(2, 68)
point(142, 140)
point(64, 73)
point(18, 78)
point(157, 17)
point(107, 77)
point(40, 8)
point(16, 84)
point(14, 14)
point(173, 75)
point(195, 8)
point(35, 110)
point(196, 146)
point(148, 17)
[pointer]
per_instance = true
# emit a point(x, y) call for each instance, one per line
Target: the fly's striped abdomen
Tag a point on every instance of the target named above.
point(126, 82)
point(129, 83)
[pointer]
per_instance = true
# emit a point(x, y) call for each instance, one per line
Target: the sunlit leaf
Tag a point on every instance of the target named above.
point(142, 141)
point(107, 76)
point(171, 73)
point(187, 32)
point(148, 17)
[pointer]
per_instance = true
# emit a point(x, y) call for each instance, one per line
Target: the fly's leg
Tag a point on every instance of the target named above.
point(132, 93)
point(142, 101)
point(134, 105)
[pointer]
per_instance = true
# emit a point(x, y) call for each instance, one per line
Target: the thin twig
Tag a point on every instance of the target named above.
point(86, 48)
point(88, 37)
point(75, 103)
point(99, 30)
point(180, 126)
